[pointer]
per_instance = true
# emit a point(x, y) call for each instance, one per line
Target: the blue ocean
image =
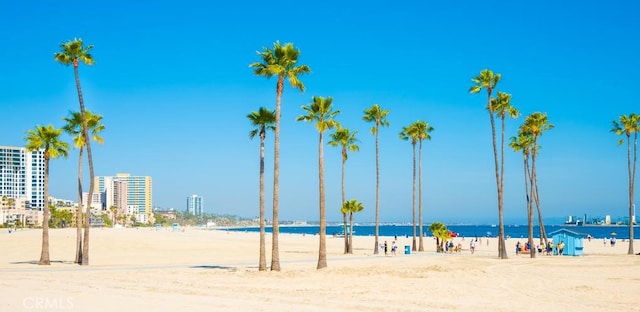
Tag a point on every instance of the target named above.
point(514, 231)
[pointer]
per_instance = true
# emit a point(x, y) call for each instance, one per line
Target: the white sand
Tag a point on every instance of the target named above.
point(210, 270)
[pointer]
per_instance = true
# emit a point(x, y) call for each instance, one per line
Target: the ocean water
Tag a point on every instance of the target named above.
point(514, 231)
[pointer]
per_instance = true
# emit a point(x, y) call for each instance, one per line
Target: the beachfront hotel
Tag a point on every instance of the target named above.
point(129, 194)
point(194, 205)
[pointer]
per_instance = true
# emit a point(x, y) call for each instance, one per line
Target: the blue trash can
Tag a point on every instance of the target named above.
point(407, 249)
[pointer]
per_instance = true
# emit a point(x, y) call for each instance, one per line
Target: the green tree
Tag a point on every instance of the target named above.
point(628, 125)
point(441, 233)
point(73, 127)
point(488, 80)
point(281, 61)
point(423, 130)
point(346, 139)
point(410, 133)
point(534, 125)
point(262, 120)
point(351, 207)
point(320, 112)
point(59, 217)
point(72, 53)
point(46, 138)
point(378, 117)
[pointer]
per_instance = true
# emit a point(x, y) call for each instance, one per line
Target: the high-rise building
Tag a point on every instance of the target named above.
point(195, 205)
point(22, 176)
point(130, 194)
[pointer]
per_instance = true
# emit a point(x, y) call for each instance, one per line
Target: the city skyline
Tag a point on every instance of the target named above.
point(176, 109)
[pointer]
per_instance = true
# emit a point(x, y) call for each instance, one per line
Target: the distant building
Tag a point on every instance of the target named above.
point(138, 194)
point(195, 205)
point(22, 176)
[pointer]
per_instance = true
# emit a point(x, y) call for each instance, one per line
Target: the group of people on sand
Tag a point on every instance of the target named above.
point(394, 248)
point(548, 249)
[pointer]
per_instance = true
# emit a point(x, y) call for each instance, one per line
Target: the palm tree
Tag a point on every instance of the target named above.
point(627, 125)
point(423, 131)
point(347, 140)
point(524, 143)
point(441, 233)
point(72, 53)
point(262, 120)
point(73, 127)
point(488, 80)
point(114, 214)
point(46, 138)
point(535, 125)
point(378, 116)
point(320, 111)
point(352, 206)
point(410, 132)
point(280, 61)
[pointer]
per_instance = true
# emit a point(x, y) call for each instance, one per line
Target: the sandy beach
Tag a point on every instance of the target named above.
point(215, 270)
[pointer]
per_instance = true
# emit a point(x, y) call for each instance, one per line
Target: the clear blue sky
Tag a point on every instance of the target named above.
point(173, 84)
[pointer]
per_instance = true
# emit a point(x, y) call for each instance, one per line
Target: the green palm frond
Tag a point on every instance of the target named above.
point(263, 119)
point(320, 111)
point(73, 50)
point(47, 138)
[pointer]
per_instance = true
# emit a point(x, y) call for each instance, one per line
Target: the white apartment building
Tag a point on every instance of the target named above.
point(195, 205)
point(22, 176)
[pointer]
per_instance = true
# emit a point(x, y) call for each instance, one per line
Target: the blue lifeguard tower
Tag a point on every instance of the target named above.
point(572, 241)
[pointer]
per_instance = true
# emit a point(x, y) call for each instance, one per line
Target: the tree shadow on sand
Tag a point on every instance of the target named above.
point(35, 262)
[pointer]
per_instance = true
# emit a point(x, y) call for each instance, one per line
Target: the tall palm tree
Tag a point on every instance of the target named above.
point(262, 120)
point(378, 116)
point(72, 53)
point(347, 140)
point(352, 206)
point(628, 125)
point(410, 133)
point(281, 61)
point(524, 143)
point(73, 127)
point(423, 130)
point(535, 125)
point(320, 112)
point(488, 80)
point(46, 138)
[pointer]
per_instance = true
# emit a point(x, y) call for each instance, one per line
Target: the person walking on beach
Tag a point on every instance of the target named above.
point(385, 248)
point(560, 248)
point(393, 248)
point(472, 246)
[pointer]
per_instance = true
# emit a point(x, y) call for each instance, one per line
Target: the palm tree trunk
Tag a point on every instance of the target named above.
point(344, 215)
point(44, 254)
point(262, 264)
point(322, 253)
point(543, 231)
point(78, 259)
point(375, 248)
point(351, 232)
point(632, 176)
point(275, 253)
point(532, 192)
point(501, 187)
point(413, 203)
point(87, 142)
point(421, 248)
point(502, 250)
